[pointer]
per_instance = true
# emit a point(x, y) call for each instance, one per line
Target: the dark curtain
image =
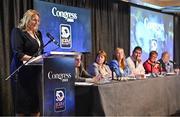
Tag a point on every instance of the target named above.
point(10, 11)
point(177, 40)
point(110, 29)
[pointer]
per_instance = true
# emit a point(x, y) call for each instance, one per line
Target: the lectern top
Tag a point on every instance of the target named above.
point(61, 53)
point(39, 59)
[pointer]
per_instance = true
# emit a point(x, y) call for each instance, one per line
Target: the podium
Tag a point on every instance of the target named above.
point(57, 96)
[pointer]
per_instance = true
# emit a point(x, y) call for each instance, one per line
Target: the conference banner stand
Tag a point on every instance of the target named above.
point(57, 84)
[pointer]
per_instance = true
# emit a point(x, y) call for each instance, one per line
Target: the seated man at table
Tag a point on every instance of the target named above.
point(81, 75)
point(166, 64)
point(151, 65)
point(135, 63)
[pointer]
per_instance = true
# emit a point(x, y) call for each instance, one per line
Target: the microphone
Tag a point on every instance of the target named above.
point(157, 62)
point(52, 39)
point(172, 62)
point(112, 71)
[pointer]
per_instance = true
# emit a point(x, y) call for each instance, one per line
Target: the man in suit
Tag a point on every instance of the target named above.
point(81, 75)
point(166, 64)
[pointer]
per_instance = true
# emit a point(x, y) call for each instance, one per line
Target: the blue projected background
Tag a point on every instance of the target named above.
point(151, 31)
point(70, 26)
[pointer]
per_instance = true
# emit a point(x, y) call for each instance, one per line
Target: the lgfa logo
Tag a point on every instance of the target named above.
point(65, 36)
point(59, 100)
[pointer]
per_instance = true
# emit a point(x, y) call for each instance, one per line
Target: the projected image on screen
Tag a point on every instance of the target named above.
point(151, 31)
point(69, 26)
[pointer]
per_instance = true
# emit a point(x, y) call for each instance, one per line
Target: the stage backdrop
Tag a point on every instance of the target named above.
point(152, 31)
point(70, 26)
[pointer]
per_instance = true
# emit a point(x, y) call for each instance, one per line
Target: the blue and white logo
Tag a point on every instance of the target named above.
point(60, 100)
point(65, 36)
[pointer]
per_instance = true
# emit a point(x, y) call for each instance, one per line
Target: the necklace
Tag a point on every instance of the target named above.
point(37, 39)
point(34, 36)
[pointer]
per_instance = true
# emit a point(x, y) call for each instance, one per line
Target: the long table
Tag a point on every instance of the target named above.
point(154, 96)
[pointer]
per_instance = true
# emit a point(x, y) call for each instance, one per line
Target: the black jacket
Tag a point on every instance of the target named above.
point(81, 74)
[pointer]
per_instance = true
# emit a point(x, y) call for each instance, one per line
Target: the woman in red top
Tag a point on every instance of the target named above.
point(151, 65)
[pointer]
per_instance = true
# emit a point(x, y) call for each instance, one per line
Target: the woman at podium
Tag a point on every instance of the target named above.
point(26, 41)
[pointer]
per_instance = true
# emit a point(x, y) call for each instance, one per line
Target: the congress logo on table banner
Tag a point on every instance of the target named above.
point(60, 100)
point(58, 86)
point(65, 36)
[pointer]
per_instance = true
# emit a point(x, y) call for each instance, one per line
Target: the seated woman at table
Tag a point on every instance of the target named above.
point(99, 67)
point(119, 64)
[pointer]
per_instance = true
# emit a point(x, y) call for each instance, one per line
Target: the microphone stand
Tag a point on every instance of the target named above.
point(160, 65)
point(113, 71)
point(151, 70)
point(153, 74)
point(12, 74)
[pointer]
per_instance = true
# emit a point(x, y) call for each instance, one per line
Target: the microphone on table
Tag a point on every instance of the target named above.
point(172, 62)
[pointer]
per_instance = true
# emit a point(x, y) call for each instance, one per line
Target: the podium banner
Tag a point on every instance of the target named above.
point(58, 86)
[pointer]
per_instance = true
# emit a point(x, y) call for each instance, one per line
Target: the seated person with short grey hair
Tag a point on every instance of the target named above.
point(81, 75)
point(166, 65)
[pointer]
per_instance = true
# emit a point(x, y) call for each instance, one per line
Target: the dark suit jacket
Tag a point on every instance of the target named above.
point(22, 43)
point(81, 74)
